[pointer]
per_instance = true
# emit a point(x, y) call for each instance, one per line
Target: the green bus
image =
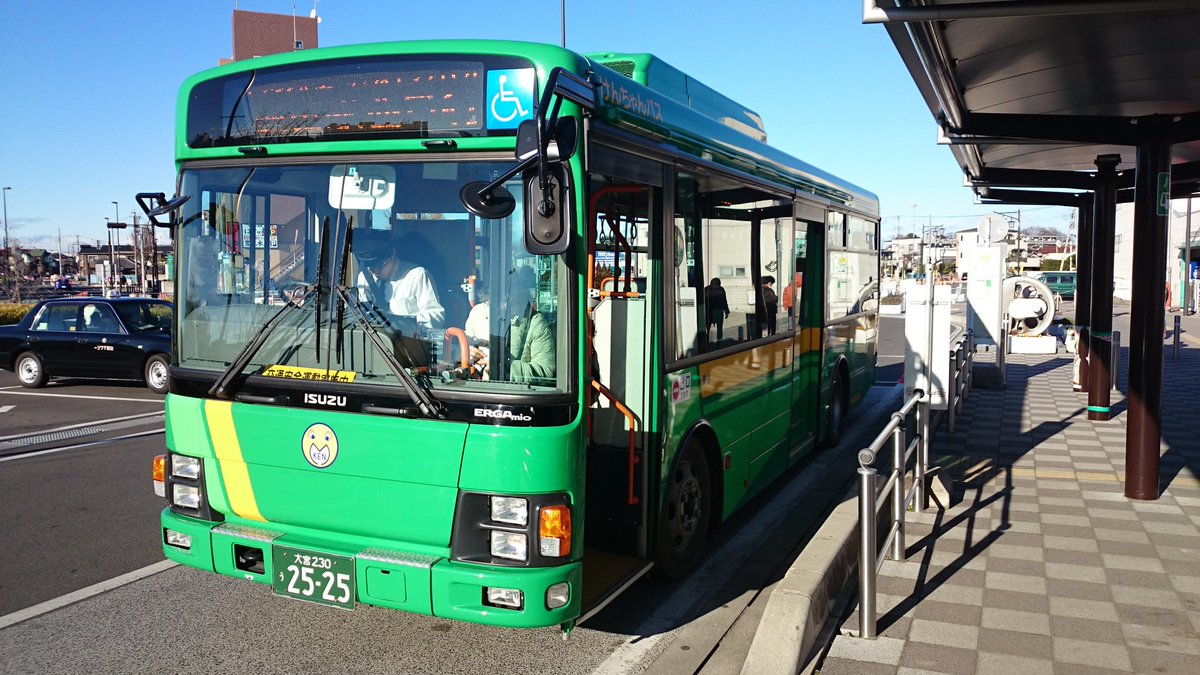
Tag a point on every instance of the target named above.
point(488, 330)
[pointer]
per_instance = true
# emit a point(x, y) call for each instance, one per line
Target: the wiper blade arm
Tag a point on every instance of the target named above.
point(417, 390)
point(221, 388)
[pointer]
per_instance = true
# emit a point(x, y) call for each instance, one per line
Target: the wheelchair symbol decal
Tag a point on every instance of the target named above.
point(510, 97)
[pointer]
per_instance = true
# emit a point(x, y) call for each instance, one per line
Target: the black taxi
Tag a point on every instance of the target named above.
point(90, 337)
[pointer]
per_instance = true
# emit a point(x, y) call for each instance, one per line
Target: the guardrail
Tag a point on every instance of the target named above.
point(869, 496)
point(871, 557)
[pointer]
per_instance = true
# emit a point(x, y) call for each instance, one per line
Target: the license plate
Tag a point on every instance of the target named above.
point(313, 576)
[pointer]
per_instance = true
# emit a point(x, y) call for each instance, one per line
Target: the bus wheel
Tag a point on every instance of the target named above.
point(835, 419)
point(683, 525)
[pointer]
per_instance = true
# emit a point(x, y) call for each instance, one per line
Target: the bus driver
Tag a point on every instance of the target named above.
point(387, 279)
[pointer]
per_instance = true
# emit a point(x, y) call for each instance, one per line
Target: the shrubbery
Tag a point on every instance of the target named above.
point(12, 313)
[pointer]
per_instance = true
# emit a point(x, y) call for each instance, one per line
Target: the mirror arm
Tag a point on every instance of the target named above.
point(485, 193)
point(155, 204)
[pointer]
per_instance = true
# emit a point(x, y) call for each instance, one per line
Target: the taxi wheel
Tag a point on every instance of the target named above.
point(30, 372)
point(156, 373)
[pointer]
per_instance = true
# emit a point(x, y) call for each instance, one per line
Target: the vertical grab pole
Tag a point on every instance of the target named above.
point(866, 561)
point(898, 491)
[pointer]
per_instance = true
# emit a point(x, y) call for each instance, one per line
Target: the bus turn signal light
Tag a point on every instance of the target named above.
point(159, 473)
point(554, 531)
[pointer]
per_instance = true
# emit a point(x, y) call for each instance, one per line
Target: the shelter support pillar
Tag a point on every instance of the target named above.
point(1152, 193)
point(1083, 288)
point(1104, 225)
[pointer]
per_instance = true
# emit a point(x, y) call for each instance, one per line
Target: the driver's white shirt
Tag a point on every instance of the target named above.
point(412, 294)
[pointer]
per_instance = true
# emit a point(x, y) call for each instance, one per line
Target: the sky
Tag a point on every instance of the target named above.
point(88, 92)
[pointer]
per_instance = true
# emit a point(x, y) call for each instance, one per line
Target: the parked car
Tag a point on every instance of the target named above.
point(1060, 283)
point(112, 338)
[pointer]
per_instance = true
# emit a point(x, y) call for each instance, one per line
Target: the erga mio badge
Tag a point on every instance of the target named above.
point(319, 445)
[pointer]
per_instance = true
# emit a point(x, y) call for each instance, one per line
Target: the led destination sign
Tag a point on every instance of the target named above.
point(391, 97)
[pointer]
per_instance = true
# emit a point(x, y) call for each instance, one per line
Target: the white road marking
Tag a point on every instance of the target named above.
point(84, 593)
point(98, 398)
point(6, 408)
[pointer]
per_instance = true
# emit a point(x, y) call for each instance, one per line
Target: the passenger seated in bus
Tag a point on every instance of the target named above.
point(390, 281)
point(530, 338)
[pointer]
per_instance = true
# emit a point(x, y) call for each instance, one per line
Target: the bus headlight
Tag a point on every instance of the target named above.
point(512, 510)
point(185, 496)
point(511, 545)
point(183, 466)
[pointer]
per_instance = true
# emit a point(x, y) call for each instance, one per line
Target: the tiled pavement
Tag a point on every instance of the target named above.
point(1044, 566)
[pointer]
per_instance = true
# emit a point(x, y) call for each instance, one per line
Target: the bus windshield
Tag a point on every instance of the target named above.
point(340, 259)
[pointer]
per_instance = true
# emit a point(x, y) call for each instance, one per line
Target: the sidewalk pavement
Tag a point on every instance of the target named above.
point(1043, 565)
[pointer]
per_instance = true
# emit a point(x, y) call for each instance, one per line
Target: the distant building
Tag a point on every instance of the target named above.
point(1178, 248)
point(256, 34)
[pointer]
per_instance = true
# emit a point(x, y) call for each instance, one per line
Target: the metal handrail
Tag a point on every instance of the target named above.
point(871, 557)
point(869, 496)
point(962, 361)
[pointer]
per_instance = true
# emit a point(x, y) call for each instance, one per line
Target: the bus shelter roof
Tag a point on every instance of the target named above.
point(1029, 92)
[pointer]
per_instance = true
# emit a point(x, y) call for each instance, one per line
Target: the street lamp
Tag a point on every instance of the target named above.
point(116, 221)
point(6, 252)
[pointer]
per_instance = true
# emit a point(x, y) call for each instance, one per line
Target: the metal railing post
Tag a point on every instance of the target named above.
point(955, 388)
point(1115, 360)
point(866, 563)
point(923, 448)
point(898, 491)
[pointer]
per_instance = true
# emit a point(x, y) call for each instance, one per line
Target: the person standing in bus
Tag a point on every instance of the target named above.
point(717, 306)
point(398, 286)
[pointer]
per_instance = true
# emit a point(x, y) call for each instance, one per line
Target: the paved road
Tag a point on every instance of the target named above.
point(87, 514)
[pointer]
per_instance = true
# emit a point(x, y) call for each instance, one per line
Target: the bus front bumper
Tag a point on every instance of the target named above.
point(412, 582)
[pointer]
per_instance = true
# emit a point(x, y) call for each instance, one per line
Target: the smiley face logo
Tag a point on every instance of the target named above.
point(319, 445)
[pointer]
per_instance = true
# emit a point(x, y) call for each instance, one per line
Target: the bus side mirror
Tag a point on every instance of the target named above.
point(548, 212)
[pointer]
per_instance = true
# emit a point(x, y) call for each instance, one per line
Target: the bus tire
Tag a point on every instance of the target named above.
point(686, 513)
point(30, 371)
point(835, 418)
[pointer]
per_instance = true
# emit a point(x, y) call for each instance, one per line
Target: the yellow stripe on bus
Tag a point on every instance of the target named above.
point(229, 455)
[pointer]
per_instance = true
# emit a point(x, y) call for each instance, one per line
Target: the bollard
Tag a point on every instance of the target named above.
point(866, 560)
point(1115, 361)
point(1175, 355)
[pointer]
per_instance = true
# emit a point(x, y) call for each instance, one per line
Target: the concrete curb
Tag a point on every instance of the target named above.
point(803, 601)
point(800, 605)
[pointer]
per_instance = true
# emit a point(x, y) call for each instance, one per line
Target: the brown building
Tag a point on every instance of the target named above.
point(257, 34)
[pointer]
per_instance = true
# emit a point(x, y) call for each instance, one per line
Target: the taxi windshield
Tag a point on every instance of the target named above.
point(334, 257)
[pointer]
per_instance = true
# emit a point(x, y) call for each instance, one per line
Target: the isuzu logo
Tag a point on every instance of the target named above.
point(328, 400)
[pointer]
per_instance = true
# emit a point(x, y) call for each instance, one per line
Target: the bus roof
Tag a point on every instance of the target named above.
point(636, 92)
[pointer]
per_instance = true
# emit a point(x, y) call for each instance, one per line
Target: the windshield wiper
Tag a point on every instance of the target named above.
point(417, 389)
point(221, 388)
